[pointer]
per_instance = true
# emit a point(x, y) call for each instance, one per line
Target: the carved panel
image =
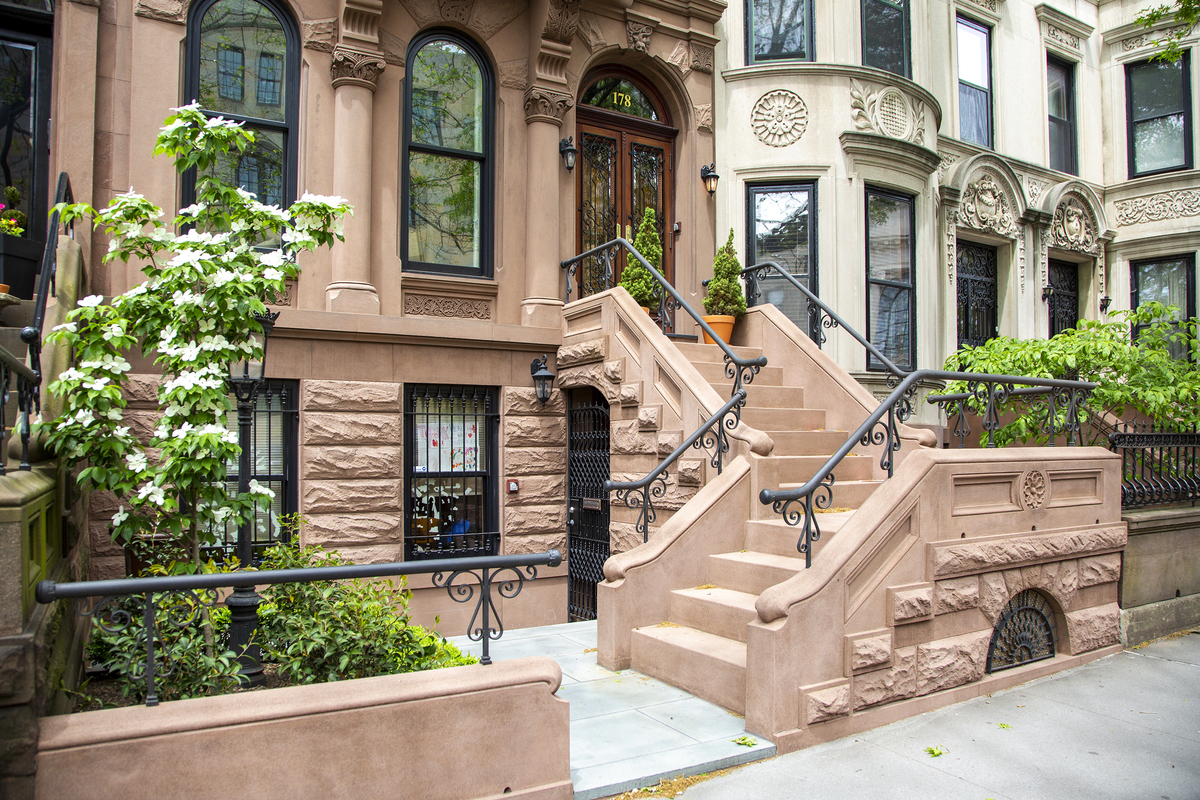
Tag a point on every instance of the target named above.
point(947, 162)
point(394, 48)
point(1142, 40)
point(355, 68)
point(319, 34)
point(990, 5)
point(704, 119)
point(162, 10)
point(562, 19)
point(779, 118)
point(546, 105)
point(490, 16)
point(702, 58)
point(680, 58)
point(986, 206)
point(1065, 38)
point(1157, 207)
point(1033, 490)
point(589, 30)
point(888, 112)
point(638, 34)
point(513, 73)
point(422, 305)
point(1074, 227)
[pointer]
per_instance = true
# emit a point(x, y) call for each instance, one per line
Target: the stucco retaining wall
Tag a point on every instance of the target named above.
point(440, 734)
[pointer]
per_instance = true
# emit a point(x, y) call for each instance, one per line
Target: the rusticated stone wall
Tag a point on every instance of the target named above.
point(352, 459)
point(535, 455)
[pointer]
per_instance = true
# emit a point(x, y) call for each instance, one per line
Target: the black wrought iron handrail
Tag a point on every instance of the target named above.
point(816, 308)
point(986, 392)
point(1157, 467)
point(741, 370)
point(201, 591)
point(712, 433)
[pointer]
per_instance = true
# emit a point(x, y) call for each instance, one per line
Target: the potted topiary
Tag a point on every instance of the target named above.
point(725, 303)
point(636, 279)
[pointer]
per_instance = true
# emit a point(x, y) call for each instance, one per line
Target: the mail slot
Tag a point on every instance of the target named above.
point(591, 504)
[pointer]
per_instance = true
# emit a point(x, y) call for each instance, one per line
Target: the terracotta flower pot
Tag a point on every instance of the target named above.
point(722, 325)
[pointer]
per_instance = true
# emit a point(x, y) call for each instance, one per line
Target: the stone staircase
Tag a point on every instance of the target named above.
point(701, 646)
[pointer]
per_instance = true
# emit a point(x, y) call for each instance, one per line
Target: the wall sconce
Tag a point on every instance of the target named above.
point(709, 175)
point(1105, 302)
point(543, 379)
point(1047, 292)
point(568, 151)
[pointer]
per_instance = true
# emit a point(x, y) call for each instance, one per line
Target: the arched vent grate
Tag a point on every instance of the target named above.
point(1024, 634)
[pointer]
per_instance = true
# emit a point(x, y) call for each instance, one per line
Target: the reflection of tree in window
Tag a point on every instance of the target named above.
point(426, 116)
point(261, 177)
point(618, 94)
point(780, 29)
point(890, 278)
point(885, 35)
point(270, 79)
point(240, 43)
point(16, 118)
point(229, 73)
point(782, 228)
point(1168, 281)
point(1158, 95)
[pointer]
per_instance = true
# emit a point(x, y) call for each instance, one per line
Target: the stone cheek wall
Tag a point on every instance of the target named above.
point(352, 468)
point(535, 456)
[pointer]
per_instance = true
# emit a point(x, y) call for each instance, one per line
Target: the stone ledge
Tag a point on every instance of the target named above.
point(956, 557)
point(1143, 623)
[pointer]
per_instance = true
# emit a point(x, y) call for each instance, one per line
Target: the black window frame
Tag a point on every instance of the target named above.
point(810, 53)
point(911, 285)
point(906, 33)
point(1135, 290)
point(1186, 71)
point(988, 91)
point(289, 127)
point(1071, 167)
point(486, 159)
point(751, 250)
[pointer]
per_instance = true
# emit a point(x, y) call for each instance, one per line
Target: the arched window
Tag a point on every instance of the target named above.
point(447, 160)
point(244, 65)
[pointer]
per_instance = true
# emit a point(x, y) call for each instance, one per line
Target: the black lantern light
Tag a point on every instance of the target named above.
point(1047, 292)
point(568, 151)
point(708, 174)
point(543, 379)
point(1105, 302)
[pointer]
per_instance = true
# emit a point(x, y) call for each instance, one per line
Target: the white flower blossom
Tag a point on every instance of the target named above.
point(84, 417)
point(272, 274)
point(114, 414)
point(329, 200)
point(71, 374)
point(96, 384)
point(194, 210)
point(119, 518)
point(91, 301)
point(121, 431)
point(297, 237)
point(275, 258)
point(182, 431)
point(221, 513)
point(70, 327)
point(258, 488)
point(187, 257)
point(153, 493)
point(222, 277)
point(137, 462)
point(111, 331)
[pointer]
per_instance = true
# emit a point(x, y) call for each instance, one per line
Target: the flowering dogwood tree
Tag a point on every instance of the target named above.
point(195, 315)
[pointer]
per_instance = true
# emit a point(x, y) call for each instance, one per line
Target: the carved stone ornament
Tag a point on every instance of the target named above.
point(562, 18)
point(286, 297)
point(1073, 228)
point(163, 10)
point(951, 243)
point(702, 58)
point(1134, 42)
point(779, 118)
point(422, 305)
point(946, 163)
point(1033, 491)
point(1065, 38)
point(639, 35)
point(888, 112)
point(1035, 190)
point(355, 68)
point(513, 73)
point(986, 207)
point(456, 10)
point(546, 105)
point(1158, 207)
point(681, 58)
point(704, 121)
point(990, 5)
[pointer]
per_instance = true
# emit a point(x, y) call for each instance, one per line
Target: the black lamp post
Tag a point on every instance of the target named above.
point(568, 151)
point(708, 174)
point(543, 379)
point(245, 379)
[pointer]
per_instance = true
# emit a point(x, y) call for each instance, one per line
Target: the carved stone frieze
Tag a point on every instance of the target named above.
point(702, 58)
point(951, 242)
point(355, 68)
point(1034, 189)
point(1142, 40)
point(1021, 258)
point(394, 48)
point(887, 111)
point(286, 297)
point(947, 162)
point(1073, 227)
point(562, 18)
point(990, 5)
point(422, 305)
point(779, 118)
point(638, 34)
point(704, 119)
point(1033, 491)
point(546, 105)
point(1158, 207)
point(1065, 38)
point(986, 206)
point(1044, 256)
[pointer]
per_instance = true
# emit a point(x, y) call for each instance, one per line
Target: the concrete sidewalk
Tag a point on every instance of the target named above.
point(1126, 726)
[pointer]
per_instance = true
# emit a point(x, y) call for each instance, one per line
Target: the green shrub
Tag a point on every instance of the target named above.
point(725, 295)
point(636, 279)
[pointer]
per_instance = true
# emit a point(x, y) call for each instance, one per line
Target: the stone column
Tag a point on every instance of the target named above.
point(354, 74)
point(544, 112)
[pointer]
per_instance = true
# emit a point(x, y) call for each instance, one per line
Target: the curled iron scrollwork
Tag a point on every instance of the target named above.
point(742, 375)
point(802, 512)
point(819, 322)
point(715, 439)
point(481, 628)
point(643, 497)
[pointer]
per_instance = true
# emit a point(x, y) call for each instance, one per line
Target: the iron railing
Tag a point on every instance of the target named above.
point(741, 370)
point(1157, 467)
point(712, 435)
point(186, 595)
point(986, 394)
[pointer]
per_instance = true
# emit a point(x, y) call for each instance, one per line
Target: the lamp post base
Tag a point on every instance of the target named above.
point(243, 623)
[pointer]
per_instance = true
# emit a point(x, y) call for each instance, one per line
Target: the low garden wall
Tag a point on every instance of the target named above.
point(464, 732)
point(1160, 573)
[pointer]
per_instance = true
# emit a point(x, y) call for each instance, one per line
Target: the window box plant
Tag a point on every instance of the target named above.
point(725, 302)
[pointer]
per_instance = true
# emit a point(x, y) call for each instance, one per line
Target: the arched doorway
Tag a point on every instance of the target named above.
point(626, 164)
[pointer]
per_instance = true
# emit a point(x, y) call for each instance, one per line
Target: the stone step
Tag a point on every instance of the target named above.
point(715, 373)
point(846, 494)
point(778, 538)
point(721, 612)
point(750, 571)
point(780, 469)
point(784, 419)
point(807, 443)
point(766, 396)
point(708, 666)
point(711, 353)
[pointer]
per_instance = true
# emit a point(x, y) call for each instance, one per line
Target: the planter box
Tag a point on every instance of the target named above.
point(20, 260)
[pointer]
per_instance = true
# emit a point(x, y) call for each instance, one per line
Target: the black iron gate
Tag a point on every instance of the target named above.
point(977, 300)
point(1063, 297)
point(587, 504)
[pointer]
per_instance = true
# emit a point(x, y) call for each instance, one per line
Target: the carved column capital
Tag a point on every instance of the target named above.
point(352, 67)
point(546, 105)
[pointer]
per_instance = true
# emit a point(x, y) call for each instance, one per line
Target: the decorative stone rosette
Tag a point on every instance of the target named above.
point(779, 118)
point(888, 112)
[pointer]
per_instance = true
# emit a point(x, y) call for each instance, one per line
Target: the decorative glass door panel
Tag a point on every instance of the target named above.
point(587, 502)
point(977, 294)
point(1064, 300)
point(598, 212)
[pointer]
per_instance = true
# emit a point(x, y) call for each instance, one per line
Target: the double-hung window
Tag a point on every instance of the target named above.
point(781, 222)
point(447, 162)
point(1170, 281)
point(974, 82)
point(1158, 99)
point(1060, 96)
point(891, 309)
point(778, 30)
point(885, 37)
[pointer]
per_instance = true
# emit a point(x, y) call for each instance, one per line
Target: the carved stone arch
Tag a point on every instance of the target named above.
point(1079, 222)
point(662, 75)
point(990, 196)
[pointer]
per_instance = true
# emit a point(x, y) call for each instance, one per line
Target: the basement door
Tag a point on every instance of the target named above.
point(587, 502)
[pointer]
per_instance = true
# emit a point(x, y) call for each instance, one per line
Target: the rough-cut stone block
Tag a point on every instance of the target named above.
point(535, 431)
point(538, 489)
point(866, 652)
point(583, 353)
point(103, 504)
point(623, 536)
point(1099, 569)
point(976, 556)
point(19, 732)
point(909, 605)
point(351, 396)
point(1014, 581)
point(352, 497)
point(958, 594)
point(626, 439)
point(141, 389)
point(668, 441)
point(1094, 627)
point(888, 685)
point(338, 530)
point(631, 394)
point(101, 538)
point(376, 554)
point(993, 595)
point(352, 429)
point(16, 674)
point(589, 375)
point(615, 370)
point(106, 568)
point(535, 461)
point(142, 423)
point(525, 520)
point(824, 704)
point(353, 462)
point(536, 543)
point(691, 472)
point(650, 418)
point(522, 402)
point(946, 663)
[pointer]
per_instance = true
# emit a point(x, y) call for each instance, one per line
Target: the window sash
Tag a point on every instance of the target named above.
point(1159, 133)
point(769, 239)
point(876, 28)
point(974, 83)
point(891, 281)
point(1062, 152)
point(794, 33)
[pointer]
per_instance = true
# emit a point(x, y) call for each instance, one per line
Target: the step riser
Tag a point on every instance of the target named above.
point(760, 396)
point(846, 495)
point(698, 352)
point(744, 576)
point(712, 617)
point(784, 419)
point(715, 373)
point(710, 678)
point(798, 469)
point(779, 542)
point(807, 443)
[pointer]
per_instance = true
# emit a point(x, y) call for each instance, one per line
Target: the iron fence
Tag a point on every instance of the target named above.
point(1157, 467)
